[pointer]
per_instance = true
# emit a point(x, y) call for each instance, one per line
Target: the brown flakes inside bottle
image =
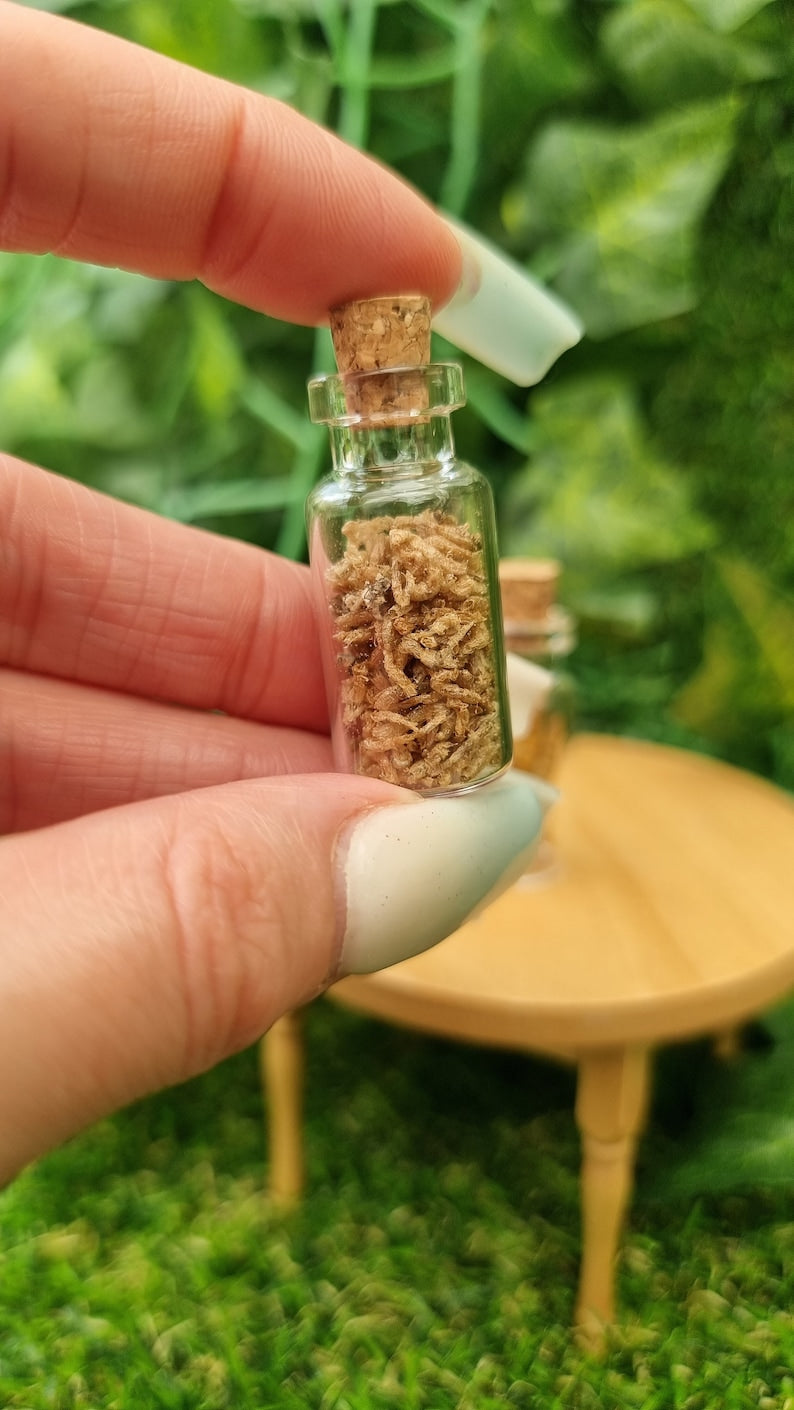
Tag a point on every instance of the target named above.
point(418, 693)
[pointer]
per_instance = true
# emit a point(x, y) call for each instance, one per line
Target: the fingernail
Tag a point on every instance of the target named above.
point(412, 874)
point(502, 316)
point(547, 795)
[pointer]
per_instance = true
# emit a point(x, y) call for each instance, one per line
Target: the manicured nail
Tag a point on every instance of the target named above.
point(414, 872)
point(502, 316)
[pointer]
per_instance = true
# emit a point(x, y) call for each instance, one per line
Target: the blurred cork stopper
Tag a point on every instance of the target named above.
point(529, 589)
point(370, 335)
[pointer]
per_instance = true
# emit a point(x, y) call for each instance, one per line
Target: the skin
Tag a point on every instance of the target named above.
point(168, 883)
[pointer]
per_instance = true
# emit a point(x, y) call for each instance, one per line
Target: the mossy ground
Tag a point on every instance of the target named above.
point(433, 1263)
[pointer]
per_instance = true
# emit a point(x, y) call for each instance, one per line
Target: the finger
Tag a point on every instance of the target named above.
point(110, 595)
point(120, 156)
point(68, 749)
point(140, 945)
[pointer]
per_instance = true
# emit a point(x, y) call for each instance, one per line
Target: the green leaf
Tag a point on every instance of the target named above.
point(727, 15)
point(31, 393)
point(54, 7)
point(535, 57)
point(623, 206)
point(486, 394)
point(413, 70)
point(218, 367)
point(626, 610)
point(770, 618)
point(742, 1127)
point(781, 740)
point(191, 502)
point(104, 408)
point(746, 676)
point(21, 278)
point(281, 9)
point(273, 411)
point(709, 702)
point(213, 35)
point(665, 54)
point(596, 494)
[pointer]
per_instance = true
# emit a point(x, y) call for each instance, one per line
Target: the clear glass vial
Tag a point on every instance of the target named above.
point(402, 544)
point(543, 634)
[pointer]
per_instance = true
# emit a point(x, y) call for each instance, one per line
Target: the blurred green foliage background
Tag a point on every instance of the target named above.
point(638, 156)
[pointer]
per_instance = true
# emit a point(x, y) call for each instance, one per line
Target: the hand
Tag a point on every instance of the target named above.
point(172, 877)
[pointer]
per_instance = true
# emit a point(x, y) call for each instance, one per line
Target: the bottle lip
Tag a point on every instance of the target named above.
point(391, 396)
point(553, 633)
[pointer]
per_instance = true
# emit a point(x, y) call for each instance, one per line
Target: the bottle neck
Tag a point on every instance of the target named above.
point(548, 639)
point(401, 450)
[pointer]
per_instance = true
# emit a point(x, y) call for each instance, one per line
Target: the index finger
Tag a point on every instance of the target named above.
point(111, 595)
point(113, 154)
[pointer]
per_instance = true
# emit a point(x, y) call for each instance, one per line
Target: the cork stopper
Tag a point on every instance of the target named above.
point(373, 335)
point(529, 589)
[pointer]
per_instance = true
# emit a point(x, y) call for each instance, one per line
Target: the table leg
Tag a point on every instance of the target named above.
point(611, 1105)
point(728, 1043)
point(282, 1065)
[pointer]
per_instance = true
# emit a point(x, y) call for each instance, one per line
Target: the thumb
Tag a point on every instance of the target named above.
point(140, 945)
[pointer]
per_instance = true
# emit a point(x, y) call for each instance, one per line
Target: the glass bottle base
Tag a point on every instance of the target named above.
point(458, 788)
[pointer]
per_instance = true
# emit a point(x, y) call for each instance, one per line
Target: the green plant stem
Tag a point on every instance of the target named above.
point(461, 168)
point(306, 469)
point(357, 60)
point(353, 126)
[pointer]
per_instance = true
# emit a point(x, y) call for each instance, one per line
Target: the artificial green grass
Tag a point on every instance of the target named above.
point(433, 1263)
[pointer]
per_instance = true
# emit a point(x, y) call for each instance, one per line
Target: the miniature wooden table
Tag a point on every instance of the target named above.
point(670, 914)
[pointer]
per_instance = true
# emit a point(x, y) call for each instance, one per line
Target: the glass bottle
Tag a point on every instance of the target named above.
point(402, 544)
point(542, 634)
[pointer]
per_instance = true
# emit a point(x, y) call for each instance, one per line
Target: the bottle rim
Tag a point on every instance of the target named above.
point(554, 633)
point(405, 394)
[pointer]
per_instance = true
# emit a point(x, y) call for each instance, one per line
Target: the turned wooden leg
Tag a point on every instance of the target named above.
point(611, 1105)
point(282, 1066)
point(728, 1043)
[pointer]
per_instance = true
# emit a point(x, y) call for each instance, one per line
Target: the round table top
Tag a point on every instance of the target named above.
point(670, 912)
